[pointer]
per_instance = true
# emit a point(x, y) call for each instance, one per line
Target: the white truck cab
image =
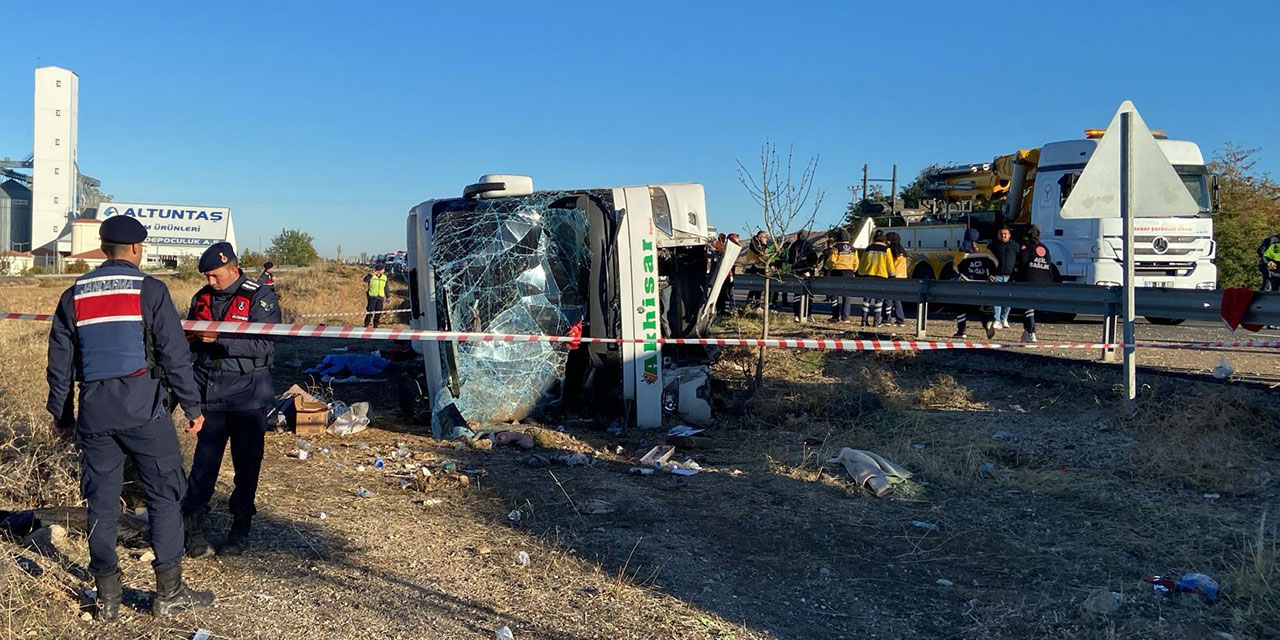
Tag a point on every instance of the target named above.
point(1173, 252)
point(627, 263)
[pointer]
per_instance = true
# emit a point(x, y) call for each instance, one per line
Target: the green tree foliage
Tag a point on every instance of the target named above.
point(293, 247)
point(251, 258)
point(853, 212)
point(914, 192)
point(1250, 212)
point(79, 266)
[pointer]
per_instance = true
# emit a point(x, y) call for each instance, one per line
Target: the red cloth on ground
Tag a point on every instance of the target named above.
point(1235, 302)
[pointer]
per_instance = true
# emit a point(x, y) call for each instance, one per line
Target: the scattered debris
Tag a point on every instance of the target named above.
point(870, 470)
point(535, 461)
point(512, 438)
point(943, 582)
point(483, 550)
point(1224, 369)
point(987, 467)
point(929, 526)
point(1212, 496)
point(46, 540)
point(363, 493)
point(202, 634)
point(1003, 435)
point(1102, 601)
point(1198, 584)
point(504, 634)
point(522, 558)
point(578, 459)
point(514, 516)
point(1192, 584)
point(640, 471)
point(657, 455)
point(346, 420)
point(597, 507)
point(322, 515)
point(461, 432)
point(919, 446)
point(825, 571)
point(684, 430)
point(431, 502)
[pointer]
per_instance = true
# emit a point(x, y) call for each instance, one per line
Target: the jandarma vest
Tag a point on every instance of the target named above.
point(237, 311)
point(109, 326)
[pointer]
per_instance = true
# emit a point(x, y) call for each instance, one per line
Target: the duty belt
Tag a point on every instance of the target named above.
point(241, 364)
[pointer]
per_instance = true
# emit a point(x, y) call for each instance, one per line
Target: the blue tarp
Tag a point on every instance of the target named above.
point(350, 364)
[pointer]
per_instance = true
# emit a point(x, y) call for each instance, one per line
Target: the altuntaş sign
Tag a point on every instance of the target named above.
point(171, 224)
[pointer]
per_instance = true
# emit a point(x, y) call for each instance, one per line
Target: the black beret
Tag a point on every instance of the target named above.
point(216, 256)
point(122, 230)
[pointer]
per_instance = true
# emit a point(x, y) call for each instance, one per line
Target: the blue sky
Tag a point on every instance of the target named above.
point(338, 117)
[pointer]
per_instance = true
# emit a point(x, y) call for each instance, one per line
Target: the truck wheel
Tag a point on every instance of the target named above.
point(1165, 322)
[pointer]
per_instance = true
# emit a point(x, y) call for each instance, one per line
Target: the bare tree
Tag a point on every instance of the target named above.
point(785, 199)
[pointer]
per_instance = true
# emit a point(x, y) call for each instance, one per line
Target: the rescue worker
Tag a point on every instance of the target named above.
point(899, 254)
point(233, 372)
point(268, 277)
point(1269, 263)
point(877, 262)
point(973, 265)
point(1005, 251)
point(757, 261)
point(376, 295)
point(803, 257)
point(841, 261)
point(1034, 265)
point(115, 332)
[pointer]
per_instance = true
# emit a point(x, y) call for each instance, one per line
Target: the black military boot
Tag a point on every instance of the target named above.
point(196, 544)
point(173, 596)
point(238, 540)
point(110, 595)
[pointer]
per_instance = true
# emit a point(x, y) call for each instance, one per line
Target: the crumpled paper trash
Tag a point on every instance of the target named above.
point(870, 470)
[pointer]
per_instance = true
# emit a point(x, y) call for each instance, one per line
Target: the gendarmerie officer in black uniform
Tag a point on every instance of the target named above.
point(116, 333)
point(233, 372)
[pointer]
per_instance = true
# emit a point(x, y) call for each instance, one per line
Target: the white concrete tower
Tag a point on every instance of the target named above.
point(54, 177)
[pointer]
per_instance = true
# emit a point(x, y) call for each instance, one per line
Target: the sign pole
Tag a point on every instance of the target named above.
point(1126, 214)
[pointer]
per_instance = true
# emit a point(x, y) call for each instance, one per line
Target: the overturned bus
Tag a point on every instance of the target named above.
point(625, 263)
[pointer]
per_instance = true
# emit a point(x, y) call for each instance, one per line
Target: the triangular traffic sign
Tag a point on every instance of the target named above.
point(1157, 191)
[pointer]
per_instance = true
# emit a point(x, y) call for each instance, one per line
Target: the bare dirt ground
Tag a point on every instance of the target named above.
point(1081, 493)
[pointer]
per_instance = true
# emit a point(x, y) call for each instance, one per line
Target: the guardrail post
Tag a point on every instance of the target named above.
point(1109, 332)
point(922, 311)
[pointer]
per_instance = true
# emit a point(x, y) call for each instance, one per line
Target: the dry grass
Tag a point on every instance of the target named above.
point(944, 392)
point(1216, 440)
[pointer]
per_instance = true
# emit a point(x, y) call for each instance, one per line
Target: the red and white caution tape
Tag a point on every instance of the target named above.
point(390, 333)
point(343, 314)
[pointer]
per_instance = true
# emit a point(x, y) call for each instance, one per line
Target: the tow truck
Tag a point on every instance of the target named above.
point(628, 264)
point(1030, 187)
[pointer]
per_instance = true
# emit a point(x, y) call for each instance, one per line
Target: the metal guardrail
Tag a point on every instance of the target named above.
point(1185, 304)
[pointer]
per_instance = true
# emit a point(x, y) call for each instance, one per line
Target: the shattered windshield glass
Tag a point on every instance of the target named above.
point(507, 265)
